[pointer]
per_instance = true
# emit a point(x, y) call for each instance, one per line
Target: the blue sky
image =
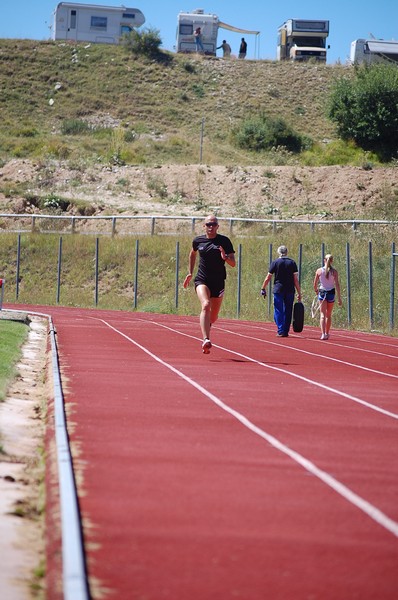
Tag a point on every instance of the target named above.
point(349, 20)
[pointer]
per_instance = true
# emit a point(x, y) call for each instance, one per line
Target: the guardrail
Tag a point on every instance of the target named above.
point(152, 223)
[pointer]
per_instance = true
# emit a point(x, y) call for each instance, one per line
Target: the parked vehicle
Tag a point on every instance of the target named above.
point(373, 51)
point(94, 23)
point(302, 40)
point(187, 22)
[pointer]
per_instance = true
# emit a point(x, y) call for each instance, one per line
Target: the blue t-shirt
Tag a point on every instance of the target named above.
point(283, 269)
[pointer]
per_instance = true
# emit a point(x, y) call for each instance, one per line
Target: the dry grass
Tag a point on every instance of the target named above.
point(159, 103)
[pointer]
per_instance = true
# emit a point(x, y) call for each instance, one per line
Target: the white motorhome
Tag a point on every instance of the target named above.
point(187, 22)
point(302, 39)
point(94, 23)
point(373, 51)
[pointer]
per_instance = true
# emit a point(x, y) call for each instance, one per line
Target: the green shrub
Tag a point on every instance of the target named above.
point(263, 133)
point(146, 42)
point(365, 109)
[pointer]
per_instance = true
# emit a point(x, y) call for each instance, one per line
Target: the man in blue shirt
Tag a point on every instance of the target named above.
point(285, 273)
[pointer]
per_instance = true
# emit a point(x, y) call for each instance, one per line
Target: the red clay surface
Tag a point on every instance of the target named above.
point(267, 470)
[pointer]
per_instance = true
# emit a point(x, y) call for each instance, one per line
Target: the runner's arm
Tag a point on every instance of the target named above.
point(191, 263)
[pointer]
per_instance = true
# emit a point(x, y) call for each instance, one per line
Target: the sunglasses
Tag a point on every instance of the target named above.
point(211, 224)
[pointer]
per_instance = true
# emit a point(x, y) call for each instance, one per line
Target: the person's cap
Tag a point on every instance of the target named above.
point(282, 250)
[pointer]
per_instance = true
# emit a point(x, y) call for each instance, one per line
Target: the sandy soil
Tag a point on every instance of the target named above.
point(21, 434)
point(251, 192)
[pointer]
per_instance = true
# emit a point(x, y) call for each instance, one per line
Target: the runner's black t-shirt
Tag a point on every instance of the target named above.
point(211, 265)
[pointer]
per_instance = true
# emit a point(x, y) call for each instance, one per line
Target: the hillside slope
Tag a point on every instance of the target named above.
point(144, 119)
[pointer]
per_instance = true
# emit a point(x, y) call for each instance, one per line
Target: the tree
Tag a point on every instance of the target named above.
point(365, 108)
point(146, 41)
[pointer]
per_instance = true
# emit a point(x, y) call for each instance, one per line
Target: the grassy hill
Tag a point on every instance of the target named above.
point(77, 101)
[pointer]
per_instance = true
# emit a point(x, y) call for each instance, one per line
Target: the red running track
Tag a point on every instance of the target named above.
point(267, 470)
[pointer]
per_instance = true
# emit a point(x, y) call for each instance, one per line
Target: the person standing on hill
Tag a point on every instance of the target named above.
point(286, 280)
point(326, 284)
point(215, 251)
point(226, 49)
point(242, 48)
point(199, 40)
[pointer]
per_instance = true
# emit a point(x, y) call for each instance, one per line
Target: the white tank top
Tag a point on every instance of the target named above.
point(326, 283)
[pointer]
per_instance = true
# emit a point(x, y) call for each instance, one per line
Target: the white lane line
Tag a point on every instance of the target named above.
point(321, 355)
point(366, 507)
point(286, 372)
point(338, 335)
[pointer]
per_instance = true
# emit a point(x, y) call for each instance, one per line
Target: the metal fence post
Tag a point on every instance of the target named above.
point(300, 261)
point(270, 283)
point(348, 269)
point(96, 269)
point(371, 321)
point(18, 265)
point(239, 280)
point(177, 272)
point(392, 285)
point(202, 128)
point(136, 274)
point(2, 285)
point(59, 269)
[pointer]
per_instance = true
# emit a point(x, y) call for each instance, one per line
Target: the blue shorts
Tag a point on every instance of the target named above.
point(327, 295)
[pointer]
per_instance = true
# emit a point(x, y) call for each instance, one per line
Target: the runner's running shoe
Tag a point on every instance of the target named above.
point(206, 346)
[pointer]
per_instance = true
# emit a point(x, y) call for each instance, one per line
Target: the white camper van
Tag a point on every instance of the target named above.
point(302, 39)
point(187, 22)
point(94, 23)
point(373, 51)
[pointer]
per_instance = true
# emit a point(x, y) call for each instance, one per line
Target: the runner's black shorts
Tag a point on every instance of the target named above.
point(216, 288)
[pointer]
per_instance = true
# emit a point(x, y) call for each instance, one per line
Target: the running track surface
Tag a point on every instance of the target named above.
point(266, 470)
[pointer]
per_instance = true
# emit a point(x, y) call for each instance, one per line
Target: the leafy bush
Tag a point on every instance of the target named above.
point(146, 42)
point(338, 152)
point(365, 109)
point(53, 203)
point(263, 133)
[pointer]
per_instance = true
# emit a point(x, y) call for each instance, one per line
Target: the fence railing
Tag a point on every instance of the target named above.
point(389, 309)
point(151, 224)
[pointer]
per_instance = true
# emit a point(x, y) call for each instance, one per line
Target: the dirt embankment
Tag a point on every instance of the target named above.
point(248, 192)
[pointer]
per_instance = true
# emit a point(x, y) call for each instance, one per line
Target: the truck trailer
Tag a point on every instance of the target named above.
point(301, 40)
point(187, 22)
point(94, 23)
point(373, 51)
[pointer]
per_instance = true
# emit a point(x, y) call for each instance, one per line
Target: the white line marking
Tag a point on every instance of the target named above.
point(374, 513)
point(286, 372)
point(330, 343)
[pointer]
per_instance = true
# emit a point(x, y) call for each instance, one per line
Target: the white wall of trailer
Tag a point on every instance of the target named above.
point(373, 51)
point(94, 23)
point(186, 25)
